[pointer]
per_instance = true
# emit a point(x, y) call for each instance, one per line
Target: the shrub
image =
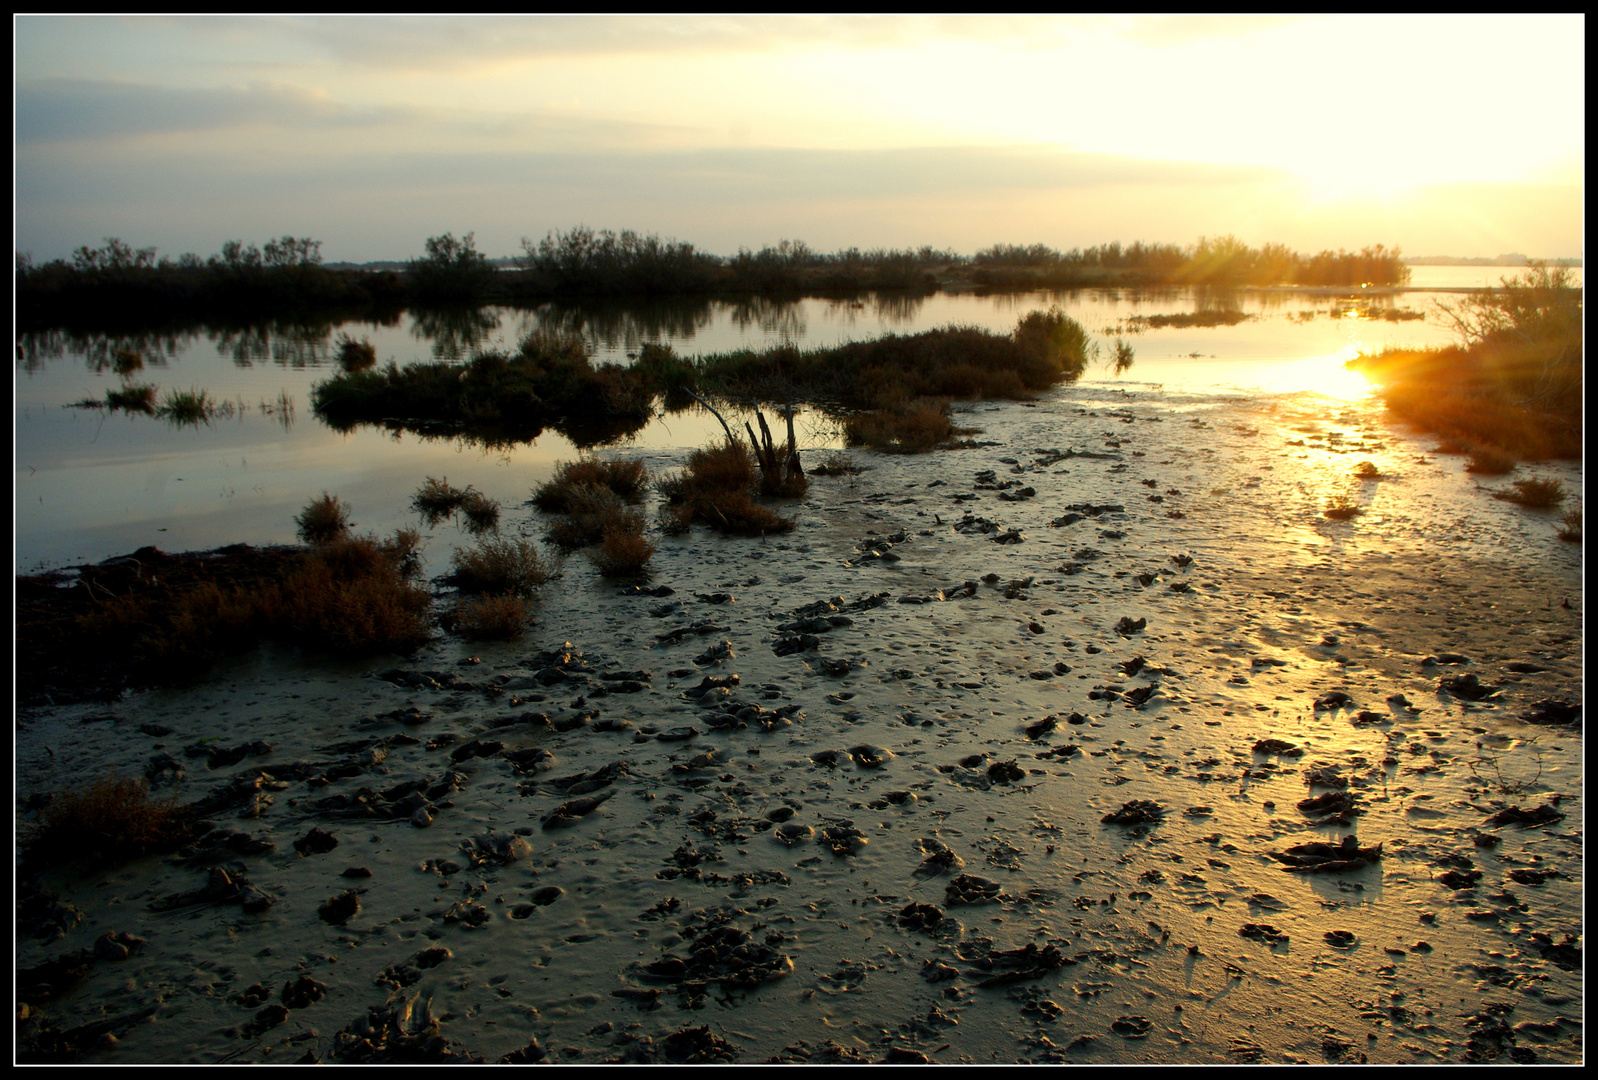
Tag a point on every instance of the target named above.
point(714, 489)
point(1489, 461)
point(1367, 470)
point(910, 429)
point(482, 513)
point(627, 479)
point(192, 407)
point(437, 500)
point(1570, 526)
point(502, 566)
point(114, 820)
point(353, 597)
point(1341, 508)
point(491, 618)
point(356, 355)
point(623, 552)
point(592, 511)
point(323, 521)
point(135, 397)
point(1538, 494)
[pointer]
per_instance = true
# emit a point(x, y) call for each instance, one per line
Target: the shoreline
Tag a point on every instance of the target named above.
point(882, 851)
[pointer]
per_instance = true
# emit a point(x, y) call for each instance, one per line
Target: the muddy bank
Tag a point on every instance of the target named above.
point(1096, 742)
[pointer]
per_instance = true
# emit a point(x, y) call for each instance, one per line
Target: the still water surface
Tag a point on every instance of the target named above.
point(90, 485)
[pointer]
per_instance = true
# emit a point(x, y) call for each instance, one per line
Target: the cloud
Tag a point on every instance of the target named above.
point(53, 110)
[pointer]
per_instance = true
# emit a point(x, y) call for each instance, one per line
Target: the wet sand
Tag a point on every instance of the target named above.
point(842, 795)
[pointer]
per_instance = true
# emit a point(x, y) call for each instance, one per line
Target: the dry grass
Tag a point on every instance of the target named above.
point(1490, 461)
point(836, 464)
point(714, 490)
point(914, 428)
point(502, 566)
point(135, 397)
point(436, 500)
point(113, 821)
point(482, 513)
point(1537, 494)
point(356, 355)
point(591, 512)
point(623, 553)
point(491, 618)
point(1342, 508)
point(628, 480)
point(323, 521)
point(1570, 526)
point(354, 597)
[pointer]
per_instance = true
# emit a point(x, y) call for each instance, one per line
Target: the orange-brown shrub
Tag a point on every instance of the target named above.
point(491, 618)
point(502, 565)
point(323, 520)
point(911, 429)
point(353, 598)
point(114, 820)
point(623, 552)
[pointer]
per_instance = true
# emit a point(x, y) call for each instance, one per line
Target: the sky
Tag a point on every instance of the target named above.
point(1441, 135)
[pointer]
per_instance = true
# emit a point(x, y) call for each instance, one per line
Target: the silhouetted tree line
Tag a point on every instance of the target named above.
point(117, 284)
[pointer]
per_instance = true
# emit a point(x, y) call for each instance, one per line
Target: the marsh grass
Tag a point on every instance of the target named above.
point(481, 512)
point(355, 355)
point(323, 520)
point(591, 512)
point(714, 489)
point(502, 566)
point(354, 597)
point(1512, 386)
point(1570, 526)
point(491, 618)
point(913, 428)
point(135, 397)
point(125, 361)
point(1342, 508)
point(114, 820)
point(1535, 494)
point(573, 481)
point(1489, 461)
point(186, 407)
point(623, 553)
point(837, 463)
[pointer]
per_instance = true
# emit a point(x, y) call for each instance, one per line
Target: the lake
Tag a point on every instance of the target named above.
point(90, 485)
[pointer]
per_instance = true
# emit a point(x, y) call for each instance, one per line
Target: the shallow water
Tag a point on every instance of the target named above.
point(1277, 606)
point(90, 485)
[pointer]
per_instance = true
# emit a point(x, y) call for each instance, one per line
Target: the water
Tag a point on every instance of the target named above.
point(90, 484)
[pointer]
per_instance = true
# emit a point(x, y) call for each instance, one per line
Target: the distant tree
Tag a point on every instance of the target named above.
point(291, 252)
point(115, 257)
point(453, 269)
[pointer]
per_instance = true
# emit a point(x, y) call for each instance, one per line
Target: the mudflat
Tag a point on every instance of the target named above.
point(1095, 742)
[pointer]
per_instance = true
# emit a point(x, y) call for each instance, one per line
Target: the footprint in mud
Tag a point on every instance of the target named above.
point(1132, 1027)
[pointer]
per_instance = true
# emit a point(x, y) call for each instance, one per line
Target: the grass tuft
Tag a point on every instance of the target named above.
point(356, 355)
point(323, 521)
point(1537, 494)
point(623, 552)
point(573, 479)
point(113, 821)
point(135, 397)
point(914, 428)
point(502, 566)
point(491, 618)
point(186, 407)
point(1342, 508)
point(1570, 526)
point(1490, 461)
